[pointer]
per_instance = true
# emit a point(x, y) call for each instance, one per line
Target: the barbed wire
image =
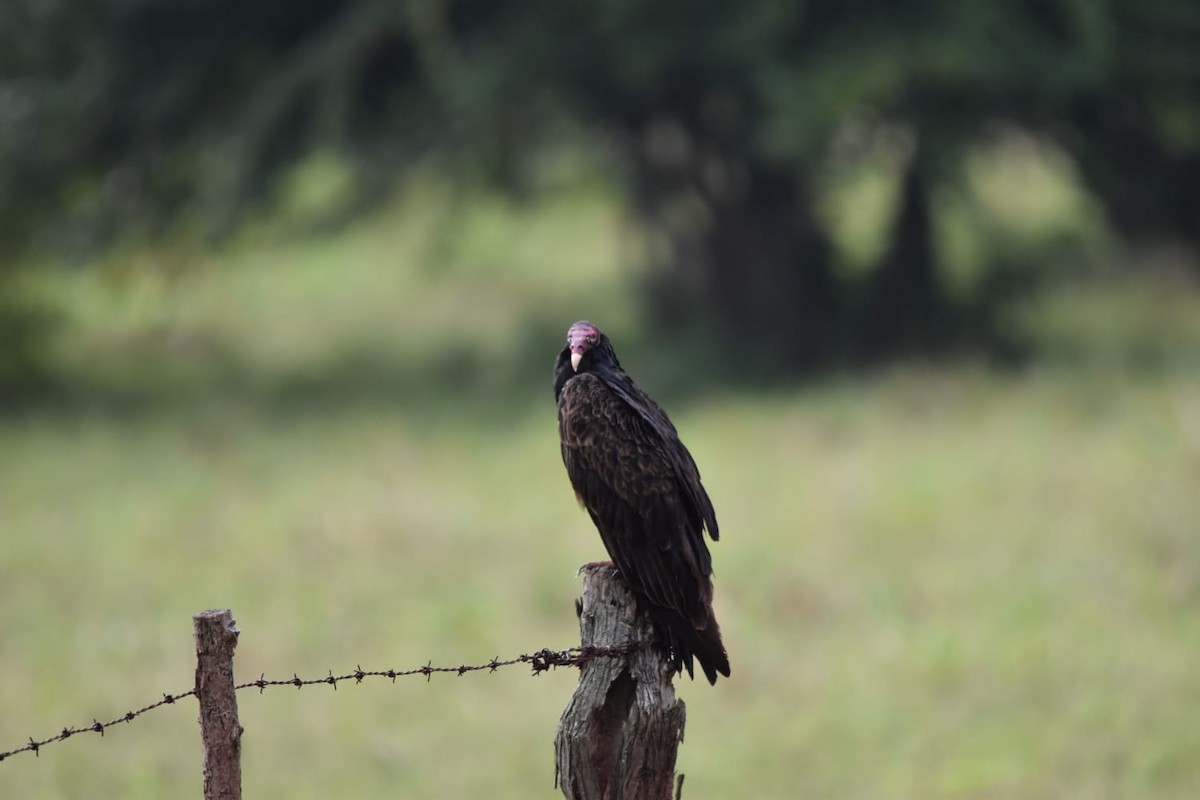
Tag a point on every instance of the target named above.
point(539, 661)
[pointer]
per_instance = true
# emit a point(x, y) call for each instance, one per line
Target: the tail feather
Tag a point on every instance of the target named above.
point(710, 651)
point(687, 644)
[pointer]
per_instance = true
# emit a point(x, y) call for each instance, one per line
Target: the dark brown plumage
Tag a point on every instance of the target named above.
point(642, 489)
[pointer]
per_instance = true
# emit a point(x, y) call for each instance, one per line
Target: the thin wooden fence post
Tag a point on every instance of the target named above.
point(216, 637)
point(619, 735)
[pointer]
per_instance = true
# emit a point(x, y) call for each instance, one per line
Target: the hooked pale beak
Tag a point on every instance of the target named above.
point(576, 357)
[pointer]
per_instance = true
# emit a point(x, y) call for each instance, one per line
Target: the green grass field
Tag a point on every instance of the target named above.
point(934, 582)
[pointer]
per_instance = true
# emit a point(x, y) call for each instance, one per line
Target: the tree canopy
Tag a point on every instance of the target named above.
point(722, 120)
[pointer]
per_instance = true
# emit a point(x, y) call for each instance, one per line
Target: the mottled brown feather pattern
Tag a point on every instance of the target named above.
point(630, 488)
point(642, 490)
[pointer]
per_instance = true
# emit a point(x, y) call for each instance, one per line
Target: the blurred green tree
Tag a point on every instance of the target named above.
point(134, 116)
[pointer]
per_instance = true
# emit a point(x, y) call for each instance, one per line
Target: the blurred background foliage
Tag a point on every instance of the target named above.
point(811, 183)
point(281, 284)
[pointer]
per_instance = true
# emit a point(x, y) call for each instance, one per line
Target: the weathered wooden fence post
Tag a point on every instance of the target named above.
point(618, 736)
point(216, 637)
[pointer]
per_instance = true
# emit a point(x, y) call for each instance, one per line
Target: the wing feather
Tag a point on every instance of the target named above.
point(627, 473)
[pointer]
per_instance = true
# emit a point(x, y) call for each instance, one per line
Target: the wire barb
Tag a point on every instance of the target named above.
point(540, 661)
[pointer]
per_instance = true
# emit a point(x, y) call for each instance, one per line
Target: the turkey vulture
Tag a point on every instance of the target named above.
point(642, 489)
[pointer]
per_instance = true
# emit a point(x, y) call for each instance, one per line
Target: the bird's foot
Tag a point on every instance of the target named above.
point(596, 565)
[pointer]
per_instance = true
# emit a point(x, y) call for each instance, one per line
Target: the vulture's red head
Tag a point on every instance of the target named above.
point(582, 337)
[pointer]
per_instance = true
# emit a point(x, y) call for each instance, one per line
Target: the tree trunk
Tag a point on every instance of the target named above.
point(745, 260)
point(905, 308)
